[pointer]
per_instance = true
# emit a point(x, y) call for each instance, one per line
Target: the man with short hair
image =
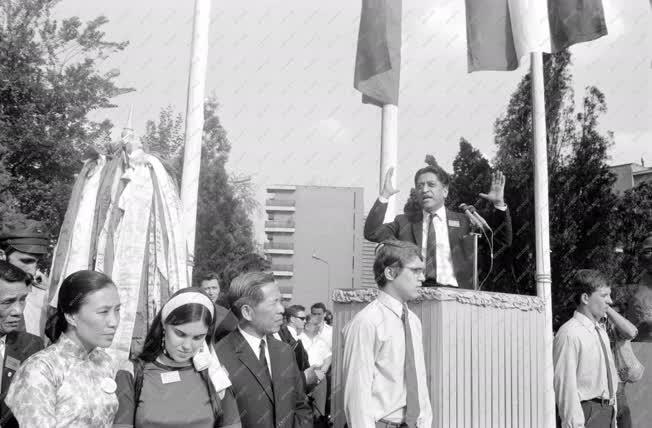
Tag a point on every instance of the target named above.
point(324, 331)
point(266, 380)
point(210, 284)
point(15, 346)
point(439, 232)
point(384, 369)
point(295, 317)
point(585, 376)
point(23, 244)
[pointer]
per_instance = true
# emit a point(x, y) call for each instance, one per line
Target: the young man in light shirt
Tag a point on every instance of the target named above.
point(585, 376)
point(384, 368)
point(324, 331)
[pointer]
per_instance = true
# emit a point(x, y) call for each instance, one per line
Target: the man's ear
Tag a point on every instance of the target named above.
point(247, 312)
point(389, 273)
point(3, 255)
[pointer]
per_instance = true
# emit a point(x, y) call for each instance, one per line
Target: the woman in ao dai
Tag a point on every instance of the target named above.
point(71, 383)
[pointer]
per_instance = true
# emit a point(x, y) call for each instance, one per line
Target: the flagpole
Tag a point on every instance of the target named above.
point(194, 124)
point(542, 227)
point(389, 152)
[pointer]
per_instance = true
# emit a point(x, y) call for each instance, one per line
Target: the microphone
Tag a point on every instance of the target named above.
point(473, 219)
point(479, 217)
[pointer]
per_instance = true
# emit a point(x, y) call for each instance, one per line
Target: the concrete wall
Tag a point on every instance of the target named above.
point(329, 225)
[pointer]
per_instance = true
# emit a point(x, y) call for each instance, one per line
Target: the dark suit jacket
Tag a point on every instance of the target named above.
point(284, 407)
point(408, 227)
point(300, 353)
point(18, 347)
point(225, 322)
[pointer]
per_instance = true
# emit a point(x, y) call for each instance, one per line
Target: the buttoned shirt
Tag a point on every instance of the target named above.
point(579, 367)
point(293, 332)
point(316, 347)
point(445, 271)
point(326, 334)
point(3, 345)
point(65, 386)
point(254, 343)
point(374, 365)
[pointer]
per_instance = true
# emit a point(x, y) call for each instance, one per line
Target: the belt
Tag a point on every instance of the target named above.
point(387, 424)
point(602, 401)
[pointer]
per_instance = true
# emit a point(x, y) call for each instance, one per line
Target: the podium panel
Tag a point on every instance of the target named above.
point(483, 354)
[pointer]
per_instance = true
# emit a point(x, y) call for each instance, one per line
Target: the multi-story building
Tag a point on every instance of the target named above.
point(629, 175)
point(314, 240)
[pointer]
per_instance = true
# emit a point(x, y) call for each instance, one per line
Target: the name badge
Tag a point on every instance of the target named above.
point(170, 377)
point(12, 363)
point(454, 223)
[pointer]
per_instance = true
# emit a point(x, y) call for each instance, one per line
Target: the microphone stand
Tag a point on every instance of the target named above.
point(475, 236)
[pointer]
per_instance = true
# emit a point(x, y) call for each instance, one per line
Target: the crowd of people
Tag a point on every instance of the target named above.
point(232, 354)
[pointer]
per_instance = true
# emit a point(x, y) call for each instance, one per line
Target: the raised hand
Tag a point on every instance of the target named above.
point(496, 193)
point(388, 188)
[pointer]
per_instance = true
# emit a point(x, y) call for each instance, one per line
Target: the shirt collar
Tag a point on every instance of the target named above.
point(252, 340)
point(70, 347)
point(390, 303)
point(584, 320)
point(441, 213)
point(293, 332)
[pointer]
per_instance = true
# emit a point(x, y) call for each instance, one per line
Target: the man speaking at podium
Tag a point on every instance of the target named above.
point(443, 234)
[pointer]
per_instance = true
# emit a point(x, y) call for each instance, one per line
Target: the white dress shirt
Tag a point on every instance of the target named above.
point(579, 368)
point(3, 345)
point(293, 332)
point(326, 333)
point(445, 271)
point(317, 349)
point(374, 365)
point(254, 342)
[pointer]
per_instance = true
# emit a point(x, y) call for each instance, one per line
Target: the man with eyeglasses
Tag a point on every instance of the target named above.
point(384, 367)
point(289, 333)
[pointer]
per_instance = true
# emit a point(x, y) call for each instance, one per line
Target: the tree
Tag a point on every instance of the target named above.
point(471, 175)
point(632, 217)
point(224, 232)
point(50, 82)
point(581, 200)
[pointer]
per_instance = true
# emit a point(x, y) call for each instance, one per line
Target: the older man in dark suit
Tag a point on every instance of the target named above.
point(15, 346)
point(266, 380)
point(438, 231)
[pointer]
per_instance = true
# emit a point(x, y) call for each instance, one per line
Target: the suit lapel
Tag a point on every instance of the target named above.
point(454, 233)
point(13, 354)
point(417, 233)
point(277, 368)
point(249, 359)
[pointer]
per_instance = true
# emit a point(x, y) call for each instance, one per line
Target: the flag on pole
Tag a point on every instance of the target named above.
point(378, 58)
point(500, 33)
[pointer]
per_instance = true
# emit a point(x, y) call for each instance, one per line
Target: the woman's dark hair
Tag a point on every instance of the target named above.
point(72, 295)
point(190, 312)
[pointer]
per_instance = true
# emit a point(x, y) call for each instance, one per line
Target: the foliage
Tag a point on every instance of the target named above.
point(50, 82)
point(224, 231)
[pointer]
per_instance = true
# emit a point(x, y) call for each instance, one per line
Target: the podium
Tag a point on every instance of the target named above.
point(483, 352)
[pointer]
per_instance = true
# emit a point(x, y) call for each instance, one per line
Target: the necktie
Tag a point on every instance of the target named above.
point(263, 362)
point(606, 363)
point(412, 398)
point(431, 250)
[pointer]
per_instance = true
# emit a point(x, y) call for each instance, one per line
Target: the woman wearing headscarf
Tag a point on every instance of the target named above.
point(177, 380)
point(71, 383)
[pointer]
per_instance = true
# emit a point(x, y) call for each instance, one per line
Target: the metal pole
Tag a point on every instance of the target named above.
point(389, 152)
point(194, 124)
point(542, 227)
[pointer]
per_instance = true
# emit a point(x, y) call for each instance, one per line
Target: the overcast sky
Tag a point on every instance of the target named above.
point(282, 71)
